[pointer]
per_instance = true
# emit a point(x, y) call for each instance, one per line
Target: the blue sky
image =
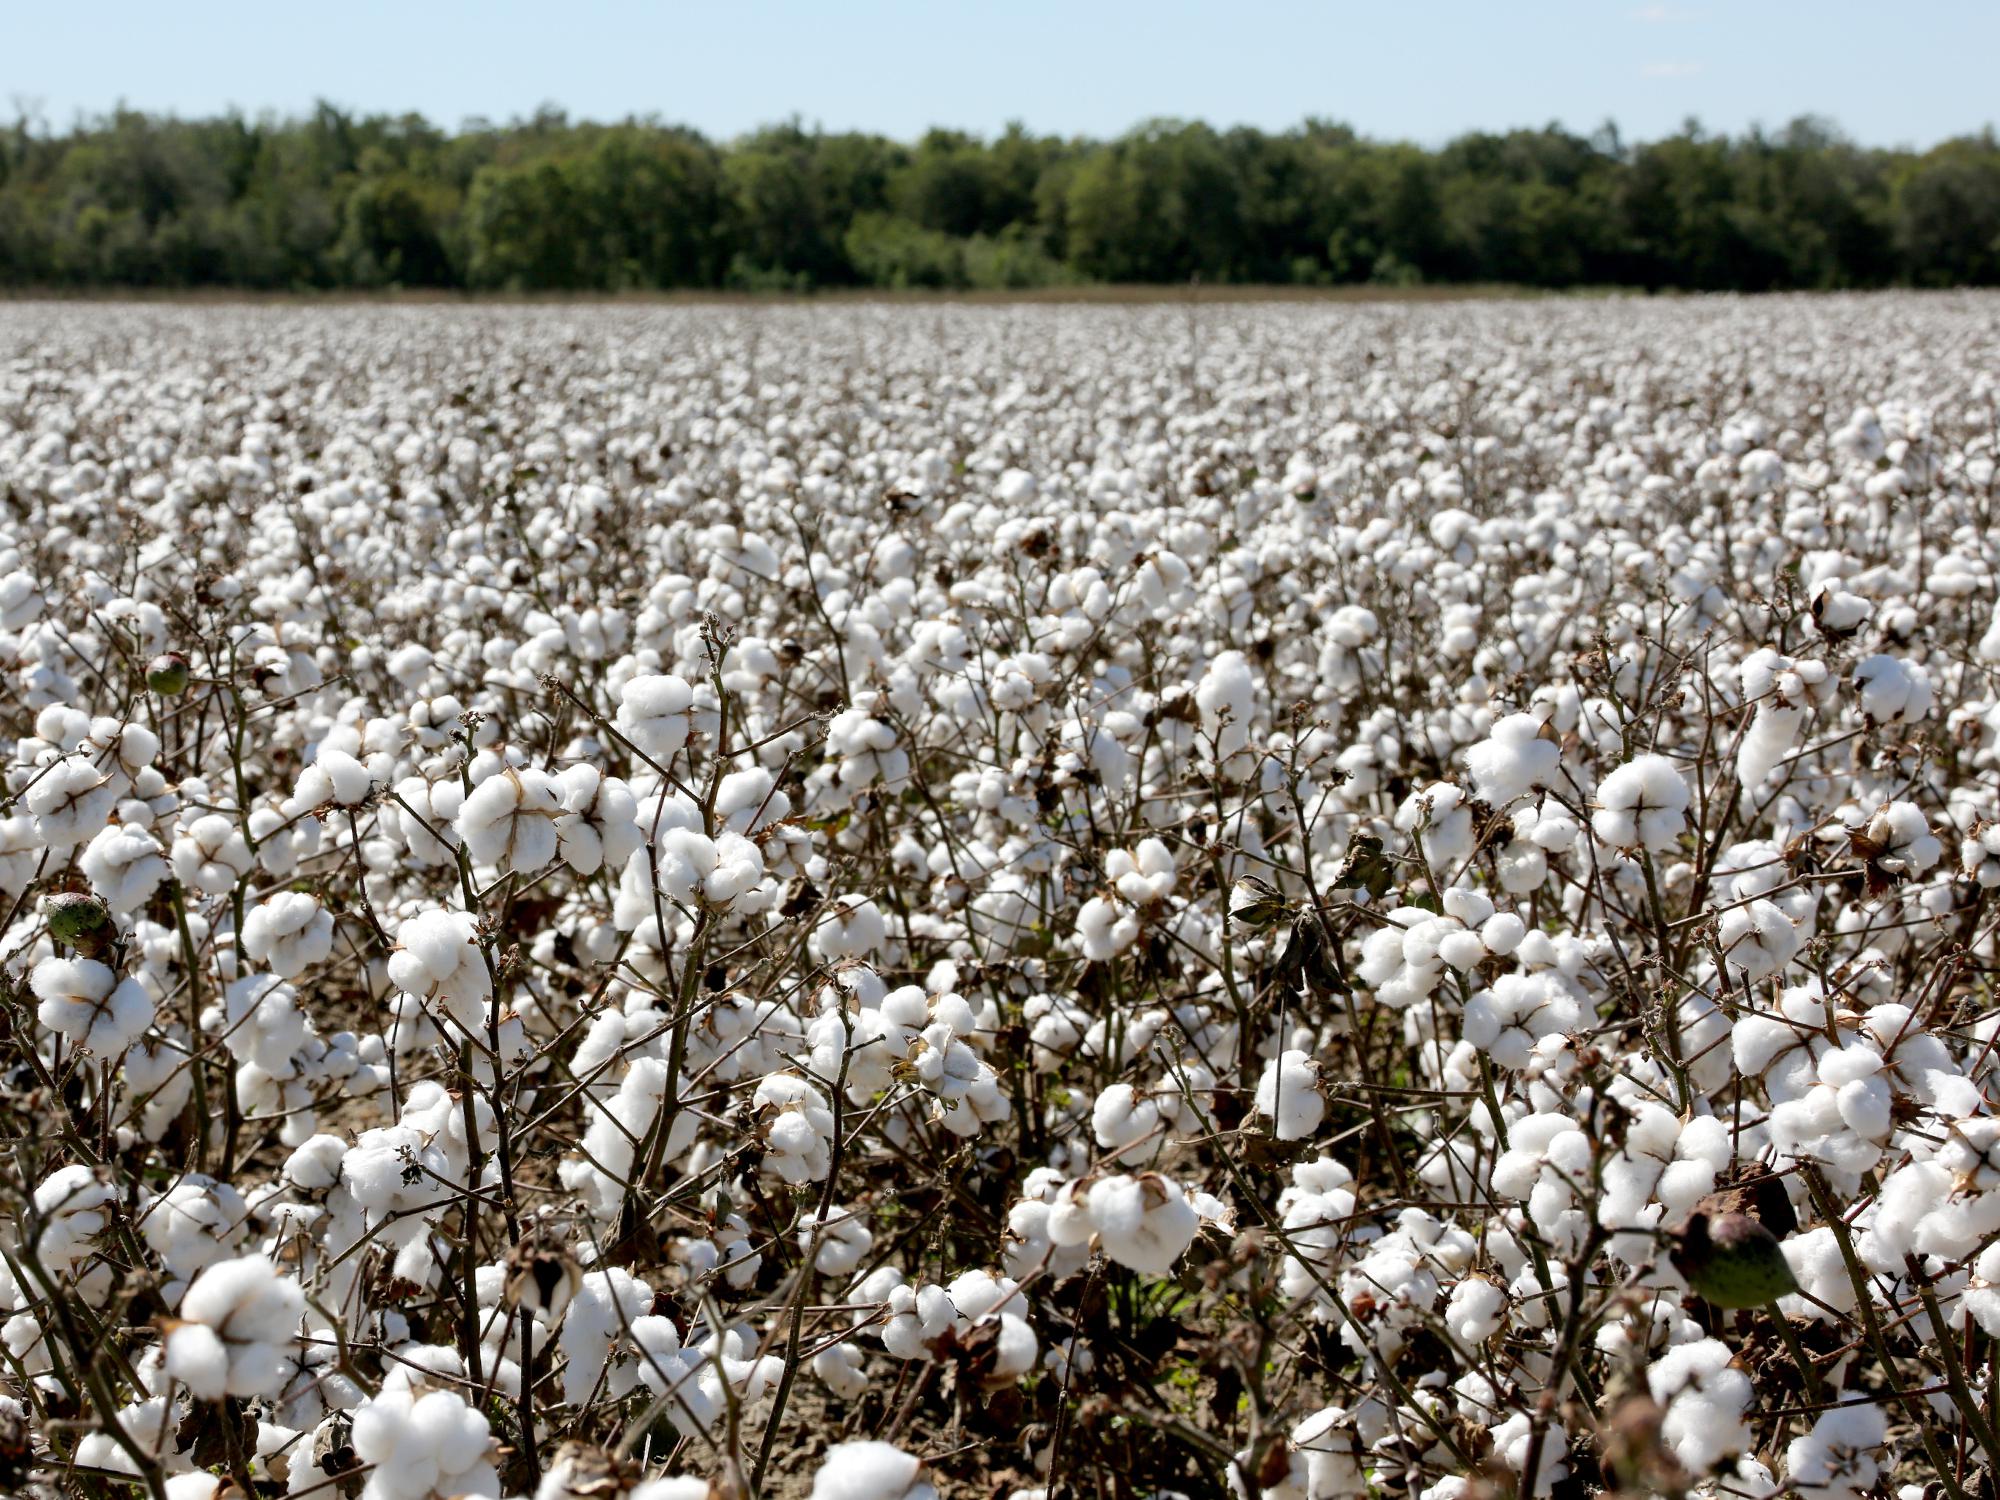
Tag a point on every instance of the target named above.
point(1911, 73)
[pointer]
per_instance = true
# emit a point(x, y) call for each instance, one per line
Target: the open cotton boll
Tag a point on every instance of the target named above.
point(509, 820)
point(1514, 759)
point(288, 934)
point(1642, 805)
point(1838, 1459)
point(423, 1446)
point(841, 1236)
point(870, 1471)
point(1704, 1396)
point(1892, 689)
point(850, 927)
point(603, 1308)
point(653, 713)
point(1227, 699)
point(333, 777)
point(71, 800)
point(840, 1368)
point(1144, 1222)
point(798, 1128)
point(1476, 1310)
point(85, 1001)
point(211, 855)
point(71, 1203)
point(1288, 1092)
point(237, 1325)
point(599, 823)
point(437, 958)
point(1514, 1437)
point(125, 866)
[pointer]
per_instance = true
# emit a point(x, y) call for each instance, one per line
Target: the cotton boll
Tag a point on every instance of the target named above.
point(1143, 1222)
point(423, 1445)
point(438, 959)
point(124, 866)
point(1513, 760)
point(1226, 698)
point(1892, 689)
point(842, 1240)
point(1288, 1092)
point(653, 713)
point(72, 800)
point(211, 855)
point(1514, 1437)
point(1705, 1397)
point(839, 1367)
point(509, 820)
point(86, 1002)
point(237, 1324)
point(288, 934)
point(1838, 1458)
point(604, 1306)
point(851, 927)
point(870, 1471)
point(599, 824)
point(1642, 805)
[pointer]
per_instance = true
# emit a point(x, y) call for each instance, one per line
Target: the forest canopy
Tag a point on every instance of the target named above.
point(339, 201)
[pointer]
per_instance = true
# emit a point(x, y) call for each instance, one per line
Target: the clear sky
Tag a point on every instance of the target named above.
point(1910, 72)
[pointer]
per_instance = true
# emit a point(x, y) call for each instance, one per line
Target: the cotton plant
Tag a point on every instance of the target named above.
point(744, 886)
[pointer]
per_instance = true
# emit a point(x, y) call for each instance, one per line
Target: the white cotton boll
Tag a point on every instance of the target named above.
point(1461, 950)
point(1502, 933)
point(1837, 1460)
point(1476, 1311)
point(672, 1488)
point(1144, 1223)
point(840, 1367)
point(1105, 928)
point(86, 1002)
point(1226, 698)
point(842, 1237)
point(1901, 840)
point(1773, 730)
point(509, 820)
point(1512, 1440)
point(1288, 1093)
point(1892, 689)
point(599, 824)
point(1704, 1396)
point(315, 1165)
point(238, 1323)
point(211, 855)
point(334, 776)
point(870, 1471)
point(125, 866)
point(72, 1203)
point(1757, 940)
point(1513, 760)
point(418, 1446)
point(601, 1310)
point(1642, 805)
point(425, 815)
point(437, 958)
point(653, 713)
point(797, 1128)
point(1126, 1122)
point(71, 801)
point(288, 934)
point(850, 927)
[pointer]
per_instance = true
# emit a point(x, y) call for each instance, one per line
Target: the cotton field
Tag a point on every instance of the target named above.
point(881, 902)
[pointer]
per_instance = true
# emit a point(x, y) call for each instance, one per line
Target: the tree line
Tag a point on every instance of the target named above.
point(339, 201)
